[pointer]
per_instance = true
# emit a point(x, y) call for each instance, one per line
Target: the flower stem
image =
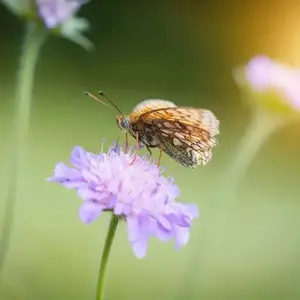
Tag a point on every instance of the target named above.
point(261, 127)
point(34, 39)
point(105, 255)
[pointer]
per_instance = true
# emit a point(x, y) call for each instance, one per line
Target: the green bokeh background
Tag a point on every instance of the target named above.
point(183, 51)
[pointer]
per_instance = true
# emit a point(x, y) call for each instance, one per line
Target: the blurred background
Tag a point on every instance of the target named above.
point(183, 51)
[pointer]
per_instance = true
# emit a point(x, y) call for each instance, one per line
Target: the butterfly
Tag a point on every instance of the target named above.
point(186, 134)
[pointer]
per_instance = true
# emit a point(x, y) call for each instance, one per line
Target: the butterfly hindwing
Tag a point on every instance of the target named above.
point(189, 147)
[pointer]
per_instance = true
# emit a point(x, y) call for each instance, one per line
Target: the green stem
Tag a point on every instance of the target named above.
point(105, 255)
point(259, 130)
point(34, 39)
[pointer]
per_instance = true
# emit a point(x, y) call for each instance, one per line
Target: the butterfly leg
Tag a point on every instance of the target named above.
point(126, 143)
point(159, 157)
point(150, 152)
point(138, 147)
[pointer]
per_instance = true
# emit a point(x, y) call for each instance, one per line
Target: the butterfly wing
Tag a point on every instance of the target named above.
point(193, 117)
point(151, 105)
point(185, 134)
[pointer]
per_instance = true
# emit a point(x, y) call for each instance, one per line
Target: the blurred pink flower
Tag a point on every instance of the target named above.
point(265, 75)
point(56, 12)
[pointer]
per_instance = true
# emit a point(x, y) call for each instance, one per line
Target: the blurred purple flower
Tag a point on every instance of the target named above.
point(136, 191)
point(56, 12)
point(264, 74)
point(58, 16)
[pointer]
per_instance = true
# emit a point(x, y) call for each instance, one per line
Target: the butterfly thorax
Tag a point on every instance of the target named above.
point(138, 129)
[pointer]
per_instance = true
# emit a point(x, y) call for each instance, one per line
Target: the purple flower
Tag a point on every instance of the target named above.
point(56, 12)
point(58, 16)
point(266, 75)
point(133, 189)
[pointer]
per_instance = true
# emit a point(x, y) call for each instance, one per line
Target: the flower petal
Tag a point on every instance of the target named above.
point(258, 72)
point(138, 237)
point(191, 210)
point(69, 177)
point(56, 12)
point(139, 247)
point(182, 235)
point(275, 86)
point(89, 211)
point(78, 157)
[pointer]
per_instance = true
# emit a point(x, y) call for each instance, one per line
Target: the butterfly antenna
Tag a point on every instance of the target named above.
point(111, 102)
point(97, 99)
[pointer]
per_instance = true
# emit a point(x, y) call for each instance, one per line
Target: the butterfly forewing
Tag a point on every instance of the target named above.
point(193, 118)
point(185, 134)
point(150, 105)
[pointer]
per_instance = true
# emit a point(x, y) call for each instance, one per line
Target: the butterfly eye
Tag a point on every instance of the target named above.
point(123, 123)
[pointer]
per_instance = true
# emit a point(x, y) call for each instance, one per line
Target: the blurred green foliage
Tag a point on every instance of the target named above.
point(183, 51)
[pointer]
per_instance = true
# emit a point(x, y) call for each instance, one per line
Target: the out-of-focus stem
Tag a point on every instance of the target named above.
point(34, 38)
point(259, 130)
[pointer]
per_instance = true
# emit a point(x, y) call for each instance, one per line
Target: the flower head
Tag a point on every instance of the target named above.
point(56, 12)
point(60, 15)
point(57, 16)
point(275, 85)
point(133, 188)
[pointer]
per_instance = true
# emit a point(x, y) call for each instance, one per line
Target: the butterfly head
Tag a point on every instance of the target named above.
point(123, 122)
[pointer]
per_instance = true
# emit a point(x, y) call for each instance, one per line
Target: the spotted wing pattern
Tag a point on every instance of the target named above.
point(186, 134)
point(188, 145)
point(194, 117)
